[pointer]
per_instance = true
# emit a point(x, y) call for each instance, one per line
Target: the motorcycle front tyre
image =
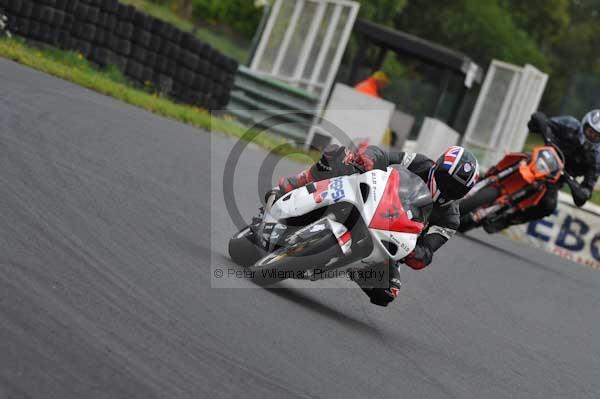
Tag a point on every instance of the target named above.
point(486, 196)
point(293, 261)
point(242, 248)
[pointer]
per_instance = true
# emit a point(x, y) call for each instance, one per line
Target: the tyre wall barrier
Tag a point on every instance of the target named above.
point(571, 233)
point(146, 49)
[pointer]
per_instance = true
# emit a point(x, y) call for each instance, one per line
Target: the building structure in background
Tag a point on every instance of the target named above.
point(449, 69)
point(290, 88)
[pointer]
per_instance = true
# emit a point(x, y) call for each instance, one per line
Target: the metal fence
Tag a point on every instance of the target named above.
point(303, 42)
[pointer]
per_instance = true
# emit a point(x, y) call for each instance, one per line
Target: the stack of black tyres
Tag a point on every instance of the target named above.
point(48, 21)
point(150, 52)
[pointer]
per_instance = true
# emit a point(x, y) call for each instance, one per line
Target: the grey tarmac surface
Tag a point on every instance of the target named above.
point(105, 281)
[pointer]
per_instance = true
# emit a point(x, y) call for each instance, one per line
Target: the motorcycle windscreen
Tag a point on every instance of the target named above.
point(415, 195)
point(547, 162)
point(405, 205)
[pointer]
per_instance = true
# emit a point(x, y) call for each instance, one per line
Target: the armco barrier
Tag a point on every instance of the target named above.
point(145, 49)
point(571, 233)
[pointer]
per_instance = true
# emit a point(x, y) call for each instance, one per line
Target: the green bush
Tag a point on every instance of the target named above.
point(241, 15)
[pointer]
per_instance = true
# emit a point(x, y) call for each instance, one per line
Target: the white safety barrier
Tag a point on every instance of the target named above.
point(571, 233)
point(355, 115)
point(435, 137)
point(508, 97)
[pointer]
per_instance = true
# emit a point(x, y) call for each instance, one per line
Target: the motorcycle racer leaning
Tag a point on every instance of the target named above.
point(448, 179)
point(580, 144)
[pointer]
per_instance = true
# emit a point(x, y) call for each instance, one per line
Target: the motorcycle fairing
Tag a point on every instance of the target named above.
point(313, 196)
point(396, 239)
point(527, 174)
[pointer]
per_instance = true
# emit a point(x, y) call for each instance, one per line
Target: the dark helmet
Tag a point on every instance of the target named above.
point(590, 126)
point(453, 175)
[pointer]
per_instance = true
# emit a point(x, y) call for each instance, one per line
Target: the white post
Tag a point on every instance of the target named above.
point(476, 114)
point(325, 45)
point(508, 122)
point(337, 59)
point(287, 37)
point(500, 125)
point(266, 35)
point(531, 88)
point(310, 41)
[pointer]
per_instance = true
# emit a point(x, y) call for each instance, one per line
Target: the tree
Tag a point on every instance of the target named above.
point(543, 20)
point(242, 16)
point(185, 8)
point(482, 30)
point(381, 11)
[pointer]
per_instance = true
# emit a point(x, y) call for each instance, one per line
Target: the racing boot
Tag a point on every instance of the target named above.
point(380, 296)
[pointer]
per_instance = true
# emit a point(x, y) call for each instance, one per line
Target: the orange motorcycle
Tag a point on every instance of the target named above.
point(518, 182)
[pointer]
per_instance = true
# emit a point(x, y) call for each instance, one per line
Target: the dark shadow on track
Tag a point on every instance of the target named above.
point(498, 249)
point(296, 296)
point(299, 298)
point(519, 257)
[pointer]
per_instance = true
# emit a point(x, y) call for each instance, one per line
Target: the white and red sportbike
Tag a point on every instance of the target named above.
point(328, 225)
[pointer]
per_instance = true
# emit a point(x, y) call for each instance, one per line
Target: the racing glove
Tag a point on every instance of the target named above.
point(579, 192)
point(581, 196)
point(359, 158)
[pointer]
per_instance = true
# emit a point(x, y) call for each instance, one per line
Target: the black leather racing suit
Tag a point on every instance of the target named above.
point(444, 219)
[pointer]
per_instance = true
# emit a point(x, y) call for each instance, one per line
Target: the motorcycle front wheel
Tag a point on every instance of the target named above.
point(485, 196)
point(242, 248)
point(293, 261)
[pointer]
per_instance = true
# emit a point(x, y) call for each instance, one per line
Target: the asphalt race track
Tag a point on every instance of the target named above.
point(105, 282)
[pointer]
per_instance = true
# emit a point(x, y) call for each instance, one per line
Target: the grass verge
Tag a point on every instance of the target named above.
point(533, 140)
point(75, 68)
